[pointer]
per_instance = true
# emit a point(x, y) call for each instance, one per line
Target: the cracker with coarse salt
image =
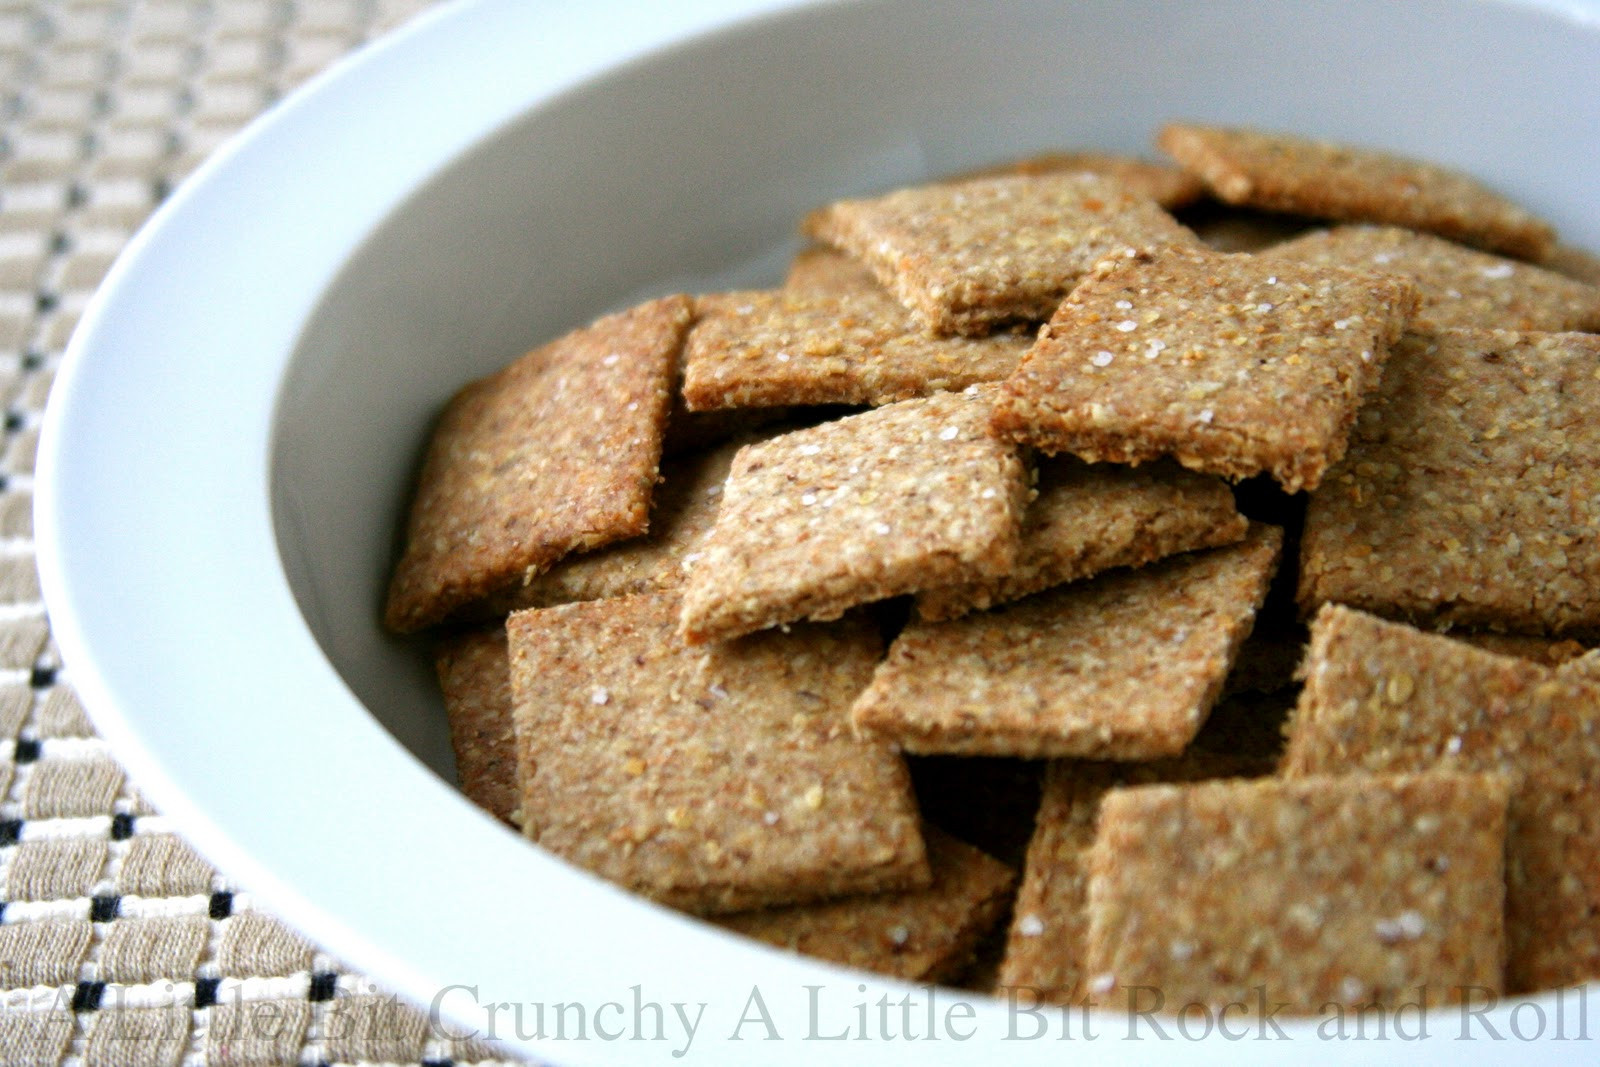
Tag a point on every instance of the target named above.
point(475, 677)
point(1469, 494)
point(1171, 187)
point(890, 501)
point(1300, 894)
point(1456, 286)
point(1092, 517)
point(714, 780)
point(556, 453)
point(791, 347)
point(1232, 365)
point(1304, 176)
point(970, 256)
point(1382, 697)
point(925, 935)
point(1124, 666)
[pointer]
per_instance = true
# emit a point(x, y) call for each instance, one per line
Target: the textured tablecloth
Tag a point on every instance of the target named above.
point(118, 944)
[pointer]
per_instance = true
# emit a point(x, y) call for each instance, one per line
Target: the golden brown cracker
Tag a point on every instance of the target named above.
point(475, 676)
point(1171, 187)
point(819, 268)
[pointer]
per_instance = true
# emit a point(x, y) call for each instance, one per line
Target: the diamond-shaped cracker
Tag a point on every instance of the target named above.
point(1169, 186)
point(969, 256)
point(1457, 286)
point(765, 348)
point(1321, 891)
point(1125, 666)
point(901, 498)
point(1382, 697)
point(716, 779)
point(1468, 495)
point(1091, 517)
point(555, 453)
point(475, 676)
point(1230, 364)
point(1282, 172)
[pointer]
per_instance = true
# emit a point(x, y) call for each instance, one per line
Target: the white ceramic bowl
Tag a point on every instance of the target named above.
point(231, 436)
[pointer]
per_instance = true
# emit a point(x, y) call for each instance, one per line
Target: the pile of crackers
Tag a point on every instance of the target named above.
point(939, 611)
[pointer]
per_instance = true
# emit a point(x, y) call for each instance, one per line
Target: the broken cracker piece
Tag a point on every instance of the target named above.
point(1283, 172)
point(475, 676)
point(970, 256)
point(1171, 187)
point(555, 453)
point(714, 780)
point(1230, 364)
point(907, 496)
point(1124, 666)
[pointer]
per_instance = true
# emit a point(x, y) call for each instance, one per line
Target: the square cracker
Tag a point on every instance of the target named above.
point(1382, 697)
point(1091, 517)
point(1457, 287)
point(788, 346)
point(1468, 494)
point(969, 256)
point(926, 935)
point(1233, 365)
point(1125, 666)
point(1282, 172)
point(1332, 890)
point(1171, 187)
point(475, 676)
point(714, 780)
point(555, 453)
point(901, 498)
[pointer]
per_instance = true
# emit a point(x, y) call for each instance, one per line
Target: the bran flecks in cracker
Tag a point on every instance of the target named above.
point(714, 780)
point(554, 454)
point(475, 676)
point(1091, 517)
point(1468, 497)
point(968, 257)
point(1232, 365)
point(1124, 666)
point(1382, 697)
point(902, 498)
point(1457, 287)
point(1282, 172)
point(927, 935)
point(789, 347)
point(1323, 891)
point(1171, 187)
point(819, 268)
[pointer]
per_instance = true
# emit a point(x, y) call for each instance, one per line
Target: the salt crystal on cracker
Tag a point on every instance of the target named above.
point(475, 676)
point(1169, 186)
point(714, 780)
point(555, 453)
point(1230, 364)
point(1282, 172)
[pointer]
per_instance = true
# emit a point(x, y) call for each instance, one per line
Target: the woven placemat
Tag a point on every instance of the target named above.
point(118, 944)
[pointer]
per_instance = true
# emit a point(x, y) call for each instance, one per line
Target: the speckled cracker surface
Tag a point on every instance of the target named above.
point(1332, 890)
point(1232, 365)
point(475, 676)
point(971, 255)
point(1282, 172)
point(925, 935)
point(1469, 496)
point(786, 346)
point(907, 496)
point(1383, 697)
point(716, 779)
point(1457, 287)
point(1171, 187)
point(555, 453)
point(1089, 518)
point(1124, 666)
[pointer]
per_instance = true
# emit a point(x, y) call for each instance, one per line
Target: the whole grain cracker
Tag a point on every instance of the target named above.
point(555, 453)
point(1302, 894)
point(1233, 365)
point(1125, 666)
point(1468, 494)
point(819, 268)
point(925, 935)
point(1457, 287)
point(714, 780)
point(1283, 172)
point(475, 676)
point(1087, 518)
point(1171, 187)
point(967, 257)
point(1381, 697)
point(1547, 651)
point(901, 498)
point(788, 346)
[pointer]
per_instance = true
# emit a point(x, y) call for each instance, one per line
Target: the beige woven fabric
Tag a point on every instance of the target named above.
point(120, 946)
